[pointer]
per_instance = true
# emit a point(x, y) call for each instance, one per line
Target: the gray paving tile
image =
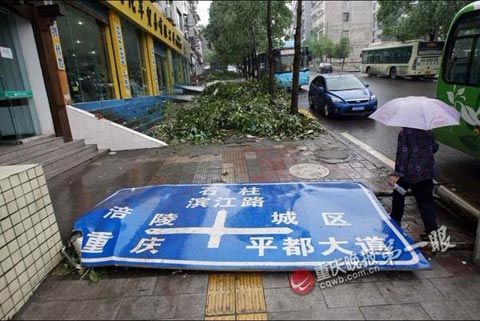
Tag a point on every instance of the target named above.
point(380, 276)
point(458, 288)
point(437, 271)
point(178, 284)
point(275, 280)
point(473, 308)
point(353, 295)
point(319, 312)
point(77, 290)
point(45, 289)
point(92, 309)
point(143, 286)
point(413, 291)
point(42, 311)
point(148, 308)
point(285, 300)
point(395, 312)
point(448, 310)
point(191, 306)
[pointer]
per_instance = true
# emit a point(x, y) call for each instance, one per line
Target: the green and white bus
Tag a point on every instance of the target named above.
point(459, 80)
point(415, 58)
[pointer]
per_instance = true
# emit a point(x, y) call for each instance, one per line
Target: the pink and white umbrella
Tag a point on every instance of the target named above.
point(417, 112)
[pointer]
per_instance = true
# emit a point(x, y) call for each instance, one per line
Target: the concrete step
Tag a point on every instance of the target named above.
point(9, 154)
point(44, 156)
point(64, 160)
point(73, 164)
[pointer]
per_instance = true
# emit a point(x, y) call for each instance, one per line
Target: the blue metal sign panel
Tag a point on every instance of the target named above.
point(256, 226)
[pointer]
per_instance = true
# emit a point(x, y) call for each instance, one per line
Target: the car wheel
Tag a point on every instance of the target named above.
point(369, 72)
point(326, 111)
point(310, 101)
point(393, 73)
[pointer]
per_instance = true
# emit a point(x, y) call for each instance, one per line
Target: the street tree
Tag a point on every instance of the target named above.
point(343, 49)
point(271, 61)
point(321, 46)
point(296, 59)
point(238, 29)
point(408, 20)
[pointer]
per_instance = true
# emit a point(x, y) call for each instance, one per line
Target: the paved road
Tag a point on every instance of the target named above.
point(458, 169)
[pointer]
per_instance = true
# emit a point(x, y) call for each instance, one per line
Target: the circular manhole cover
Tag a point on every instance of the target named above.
point(309, 171)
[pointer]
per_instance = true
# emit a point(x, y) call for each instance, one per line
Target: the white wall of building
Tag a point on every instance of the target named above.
point(328, 17)
point(35, 76)
point(106, 134)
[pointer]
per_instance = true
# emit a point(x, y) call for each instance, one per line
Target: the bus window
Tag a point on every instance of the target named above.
point(430, 48)
point(458, 60)
point(461, 55)
point(475, 76)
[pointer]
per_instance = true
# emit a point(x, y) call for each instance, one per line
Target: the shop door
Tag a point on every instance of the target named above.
point(16, 106)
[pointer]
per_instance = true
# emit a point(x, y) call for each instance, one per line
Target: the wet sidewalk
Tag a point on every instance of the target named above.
point(451, 290)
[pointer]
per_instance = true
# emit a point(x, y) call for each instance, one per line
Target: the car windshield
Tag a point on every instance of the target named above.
point(344, 83)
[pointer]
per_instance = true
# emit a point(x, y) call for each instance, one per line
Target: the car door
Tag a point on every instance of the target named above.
point(313, 90)
point(321, 95)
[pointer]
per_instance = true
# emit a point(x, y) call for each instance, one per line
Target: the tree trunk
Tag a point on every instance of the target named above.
point(296, 60)
point(244, 68)
point(271, 62)
point(251, 65)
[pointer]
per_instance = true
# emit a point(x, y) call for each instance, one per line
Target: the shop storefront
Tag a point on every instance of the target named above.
point(84, 46)
point(119, 50)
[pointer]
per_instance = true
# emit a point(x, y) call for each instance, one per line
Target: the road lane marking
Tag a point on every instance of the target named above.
point(384, 159)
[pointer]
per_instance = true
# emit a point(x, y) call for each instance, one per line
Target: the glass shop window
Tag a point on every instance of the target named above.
point(132, 37)
point(83, 43)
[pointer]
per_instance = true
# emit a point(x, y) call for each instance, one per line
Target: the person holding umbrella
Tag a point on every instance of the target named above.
point(415, 163)
point(415, 170)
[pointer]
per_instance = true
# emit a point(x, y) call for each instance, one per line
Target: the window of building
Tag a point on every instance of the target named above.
point(345, 34)
point(132, 37)
point(177, 69)
point(162, 65)
point(346, 16)
point(83, 43)
point(179, 19)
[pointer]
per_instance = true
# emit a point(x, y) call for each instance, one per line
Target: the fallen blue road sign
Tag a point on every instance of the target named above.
point(255, 226)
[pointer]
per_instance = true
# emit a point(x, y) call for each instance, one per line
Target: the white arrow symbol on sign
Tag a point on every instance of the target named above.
point(218, 230)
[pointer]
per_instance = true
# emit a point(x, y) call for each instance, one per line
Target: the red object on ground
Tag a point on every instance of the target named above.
point(302, 282)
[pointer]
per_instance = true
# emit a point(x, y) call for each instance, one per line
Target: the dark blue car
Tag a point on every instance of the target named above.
point(341, 94)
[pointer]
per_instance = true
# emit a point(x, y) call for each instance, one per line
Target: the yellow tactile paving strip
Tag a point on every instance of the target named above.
point(221, 294)
point(255, 316)
point(306, 113)
point(237, 296)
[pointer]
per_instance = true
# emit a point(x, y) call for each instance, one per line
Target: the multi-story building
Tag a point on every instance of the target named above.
point(306, 20)
point(377, 35)
point(184, 16)
point(344, 19)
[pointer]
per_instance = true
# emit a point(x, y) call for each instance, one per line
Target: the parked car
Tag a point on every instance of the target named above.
point(232, 68)
point(325, 67)
point(341, 94)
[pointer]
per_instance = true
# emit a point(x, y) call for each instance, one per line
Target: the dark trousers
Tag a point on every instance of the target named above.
point(423, 193)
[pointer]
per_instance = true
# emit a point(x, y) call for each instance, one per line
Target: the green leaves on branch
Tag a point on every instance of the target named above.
point(235, 109)
point(406, 20)
point(237, 27)
point(325, 47)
